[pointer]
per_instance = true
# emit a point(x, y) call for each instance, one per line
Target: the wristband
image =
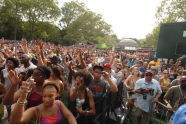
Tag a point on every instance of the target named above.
point(21, 103)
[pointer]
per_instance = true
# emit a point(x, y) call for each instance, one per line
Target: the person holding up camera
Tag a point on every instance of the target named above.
point(100, 87)
point(148, 91)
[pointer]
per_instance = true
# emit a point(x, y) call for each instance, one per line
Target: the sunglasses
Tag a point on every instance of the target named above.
point(148, 75)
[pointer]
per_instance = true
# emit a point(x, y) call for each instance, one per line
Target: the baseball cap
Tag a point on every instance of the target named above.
point(107, 65)
point(148, 71)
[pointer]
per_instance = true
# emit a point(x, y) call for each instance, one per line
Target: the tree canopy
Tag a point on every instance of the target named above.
point(43, 19)
point(168, 11)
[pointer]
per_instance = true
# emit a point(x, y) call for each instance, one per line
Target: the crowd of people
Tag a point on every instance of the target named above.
point(51, 84)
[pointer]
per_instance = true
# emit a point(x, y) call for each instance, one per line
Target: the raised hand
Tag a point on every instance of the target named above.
point(39, 43)
point(24, 41)
point(38, 50)
point(2, 40)
point(105, 75)
point(13, 77)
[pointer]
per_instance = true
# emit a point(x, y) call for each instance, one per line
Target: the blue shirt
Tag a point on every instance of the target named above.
point(142, 70)
point(130, 63)
point(180, 115)
point(144, 104)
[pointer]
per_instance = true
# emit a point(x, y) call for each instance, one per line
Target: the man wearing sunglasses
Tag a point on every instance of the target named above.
point(147, 91)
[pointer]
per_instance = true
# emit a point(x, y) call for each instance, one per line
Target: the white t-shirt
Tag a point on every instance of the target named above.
point(23, 69)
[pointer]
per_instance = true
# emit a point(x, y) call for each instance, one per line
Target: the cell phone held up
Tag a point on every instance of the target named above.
point(31, 81)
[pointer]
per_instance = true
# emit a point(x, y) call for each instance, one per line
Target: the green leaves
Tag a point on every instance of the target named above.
point(36, 19)
point(168, 11)
point(171, 11)
point(83, 25)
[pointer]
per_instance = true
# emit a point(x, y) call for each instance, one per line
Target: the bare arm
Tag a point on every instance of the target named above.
point(82, 62)
point(19, 115)
point(126, 82)
point(24, 45)
point(73, 93)
point(113, 87)
point(2, 90)
point(68, 115)
point(9, 96)
point(92, 110)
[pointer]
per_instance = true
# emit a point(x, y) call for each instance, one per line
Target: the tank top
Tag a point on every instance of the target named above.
point(34, 99)
point(7, 82)
point(56, 119)
point(85, 102)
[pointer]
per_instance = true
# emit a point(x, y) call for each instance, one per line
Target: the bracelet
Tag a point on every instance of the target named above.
point(21, 103)
point(87, 112)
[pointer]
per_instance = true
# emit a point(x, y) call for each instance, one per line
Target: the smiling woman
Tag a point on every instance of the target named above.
point(50, 111)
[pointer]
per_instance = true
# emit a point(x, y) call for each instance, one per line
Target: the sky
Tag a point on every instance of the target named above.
point(128, 18)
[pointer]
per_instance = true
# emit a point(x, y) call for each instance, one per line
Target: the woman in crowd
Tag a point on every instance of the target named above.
point(11, 64)
point(40, 74)
point(154, 73)
point(55, 77)
point(82, 96)
point(173, 72)
point(51, 111)
point(130, 83)
point(165, 81)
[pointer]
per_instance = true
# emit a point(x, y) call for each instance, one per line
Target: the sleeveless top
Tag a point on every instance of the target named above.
point(34, 99)
point(86, 102)
point(7, 82)
point(56, 119)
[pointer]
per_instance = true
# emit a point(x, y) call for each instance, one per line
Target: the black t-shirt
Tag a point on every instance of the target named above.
point(98, 90)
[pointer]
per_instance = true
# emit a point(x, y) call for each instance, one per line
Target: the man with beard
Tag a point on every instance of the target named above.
point(176, 96)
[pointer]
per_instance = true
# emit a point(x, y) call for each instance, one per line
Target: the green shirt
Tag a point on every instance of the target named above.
point(174, 94)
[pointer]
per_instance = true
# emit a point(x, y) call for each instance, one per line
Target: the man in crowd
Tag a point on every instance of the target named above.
point(100, 87)
point(148, 91)
point(107, 68)
point(177, 81)
point(27, 64)
point(176, 96)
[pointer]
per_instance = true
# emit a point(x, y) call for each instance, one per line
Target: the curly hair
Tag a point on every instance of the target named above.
point(14, 60)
